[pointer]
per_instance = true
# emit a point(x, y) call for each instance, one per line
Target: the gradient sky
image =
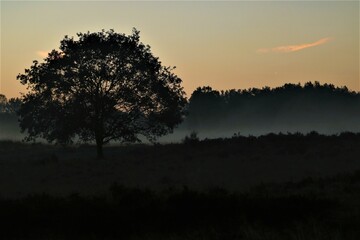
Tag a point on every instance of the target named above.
point(233, 44)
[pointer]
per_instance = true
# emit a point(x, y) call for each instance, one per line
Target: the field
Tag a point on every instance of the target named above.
point(289, 186)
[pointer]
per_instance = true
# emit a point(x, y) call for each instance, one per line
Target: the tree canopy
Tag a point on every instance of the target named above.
point(101, 87)
point(291, 107)
point(9, 106)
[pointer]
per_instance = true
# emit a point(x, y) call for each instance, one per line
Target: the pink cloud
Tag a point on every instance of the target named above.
point(293, 48)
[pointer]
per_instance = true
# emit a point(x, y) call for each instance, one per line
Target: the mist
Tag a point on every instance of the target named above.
point(290, 108)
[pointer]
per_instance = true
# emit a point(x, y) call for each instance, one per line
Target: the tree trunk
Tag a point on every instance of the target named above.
point(99, 149)
point(99, 135)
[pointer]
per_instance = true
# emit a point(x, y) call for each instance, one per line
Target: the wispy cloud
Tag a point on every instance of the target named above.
point(293, 48)
point(42, 54)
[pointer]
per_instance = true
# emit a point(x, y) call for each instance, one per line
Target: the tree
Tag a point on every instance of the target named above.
point(3, 103)
point(13, 105)
point(9, 106)
point(101, 87)
point(204, 103)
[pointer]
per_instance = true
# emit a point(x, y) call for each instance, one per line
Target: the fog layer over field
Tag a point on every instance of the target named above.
point(290, 108)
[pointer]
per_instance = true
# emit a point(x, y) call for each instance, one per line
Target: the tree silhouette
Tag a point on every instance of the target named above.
point(102, 87)
point(10, 106)
point(3, 103)
point(291, 107)
point(13, 105)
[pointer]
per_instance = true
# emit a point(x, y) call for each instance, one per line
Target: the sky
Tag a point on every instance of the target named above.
point(222, 44)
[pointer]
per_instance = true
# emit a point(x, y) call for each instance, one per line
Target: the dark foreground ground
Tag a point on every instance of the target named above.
point(270, 187)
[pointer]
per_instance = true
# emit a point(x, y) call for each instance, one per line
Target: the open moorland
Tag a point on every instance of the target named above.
point(286, 186)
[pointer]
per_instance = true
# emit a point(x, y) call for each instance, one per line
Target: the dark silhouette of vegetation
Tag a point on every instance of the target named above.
point(192, 138)
point(233, 163)
point(9, 128)
point(291, 107)
point(10, 106)
point(323, 205)
point(103, 87)
point(129, 213)
point(3, 102)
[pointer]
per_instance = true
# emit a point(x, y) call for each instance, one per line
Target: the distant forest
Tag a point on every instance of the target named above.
point(290, 108)
point(9, 127)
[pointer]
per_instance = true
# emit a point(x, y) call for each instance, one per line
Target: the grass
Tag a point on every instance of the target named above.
point(271, 187)
point(130, 213)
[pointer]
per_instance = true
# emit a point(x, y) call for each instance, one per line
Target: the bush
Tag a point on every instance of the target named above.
point(192, 138)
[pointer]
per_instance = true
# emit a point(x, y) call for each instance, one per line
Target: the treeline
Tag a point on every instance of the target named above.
point(9, 105)
point(289, 108)
point(9, 128)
